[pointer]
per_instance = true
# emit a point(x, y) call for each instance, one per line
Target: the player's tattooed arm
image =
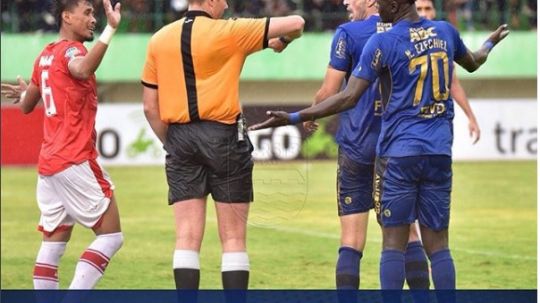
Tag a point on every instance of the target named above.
point(85, 66)
point(24, 95)
point(473, 60)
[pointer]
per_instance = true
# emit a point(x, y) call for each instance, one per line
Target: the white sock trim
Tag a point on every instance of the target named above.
point(184, 258)
point(233, 261)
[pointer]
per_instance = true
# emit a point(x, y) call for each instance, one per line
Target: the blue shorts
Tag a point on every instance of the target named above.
point(354, 186)
point(409, 188)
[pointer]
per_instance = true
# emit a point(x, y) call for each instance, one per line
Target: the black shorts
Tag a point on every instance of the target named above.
point(206, 158)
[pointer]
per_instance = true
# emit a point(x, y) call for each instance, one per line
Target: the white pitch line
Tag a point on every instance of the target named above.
point(333, 236)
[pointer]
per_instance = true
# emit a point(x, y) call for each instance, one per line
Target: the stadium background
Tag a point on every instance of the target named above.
point(294, 230)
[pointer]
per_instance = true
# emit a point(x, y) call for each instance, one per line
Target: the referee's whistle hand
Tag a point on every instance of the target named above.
point(277, 118)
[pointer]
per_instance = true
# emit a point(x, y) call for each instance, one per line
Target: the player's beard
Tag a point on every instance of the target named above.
point(89, 38)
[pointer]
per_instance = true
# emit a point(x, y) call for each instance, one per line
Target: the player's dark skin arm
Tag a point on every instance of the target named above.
point(473, 60)
point(31, 97)
point(337, 103)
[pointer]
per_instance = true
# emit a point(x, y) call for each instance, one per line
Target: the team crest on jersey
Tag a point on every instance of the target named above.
point(341, 47)
point(72, 52)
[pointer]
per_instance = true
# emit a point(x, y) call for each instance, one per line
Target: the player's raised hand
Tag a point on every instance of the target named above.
point(499, 34)
point(14, 91)
point(310, 126)
point(277, 118)
point(113, 14)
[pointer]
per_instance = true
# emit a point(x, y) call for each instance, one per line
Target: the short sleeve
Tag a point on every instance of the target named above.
point(250, 34)
point(371, 61)
point(35, 73)
point(149, 74)
point(460, 49)
point(340, 53)
point(72, 51)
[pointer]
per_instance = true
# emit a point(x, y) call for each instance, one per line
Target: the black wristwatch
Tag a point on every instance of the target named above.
point(284, 40)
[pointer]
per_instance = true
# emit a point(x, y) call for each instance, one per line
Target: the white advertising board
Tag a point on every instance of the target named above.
point(509, 132)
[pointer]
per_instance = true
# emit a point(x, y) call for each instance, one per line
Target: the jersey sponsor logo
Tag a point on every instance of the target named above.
point(46, 60)
point(376, 58)
point(383, 27)
point(379, 108)
point(341, 48)
point(418, 34)
point(377, 194)
point(433, 110)
point(72, 52)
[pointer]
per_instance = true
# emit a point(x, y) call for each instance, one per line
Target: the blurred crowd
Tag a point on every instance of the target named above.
point(320, 15)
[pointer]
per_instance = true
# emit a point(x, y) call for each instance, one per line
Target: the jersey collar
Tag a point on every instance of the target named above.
point(197, 13)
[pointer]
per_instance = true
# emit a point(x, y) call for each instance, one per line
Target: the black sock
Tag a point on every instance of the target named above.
point(187, 278)
point(236, 279)
point(235, 284)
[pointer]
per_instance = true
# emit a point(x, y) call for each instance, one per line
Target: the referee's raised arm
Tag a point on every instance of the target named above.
point(190, 93)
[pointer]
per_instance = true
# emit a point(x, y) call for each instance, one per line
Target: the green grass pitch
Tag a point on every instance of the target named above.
point(293, 232)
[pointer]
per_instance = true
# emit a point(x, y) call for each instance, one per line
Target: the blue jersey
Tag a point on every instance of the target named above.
point(360, 126)
point(414, 62)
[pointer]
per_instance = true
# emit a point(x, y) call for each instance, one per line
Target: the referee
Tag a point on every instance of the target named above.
point(191, 78)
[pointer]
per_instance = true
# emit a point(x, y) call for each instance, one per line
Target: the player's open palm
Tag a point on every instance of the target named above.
point(113, 15)
point(14, 91)
point(277, 118)
point(499, 34)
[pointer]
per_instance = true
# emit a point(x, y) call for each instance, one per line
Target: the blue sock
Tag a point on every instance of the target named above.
point(442, 270)
point(416, 266)
point(348, 268)
point(392, 269)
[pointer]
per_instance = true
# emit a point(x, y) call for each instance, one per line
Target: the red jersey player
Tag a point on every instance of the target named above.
point(72, 187)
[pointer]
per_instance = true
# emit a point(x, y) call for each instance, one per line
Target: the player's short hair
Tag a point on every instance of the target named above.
point(432, 3)
point(61, 6)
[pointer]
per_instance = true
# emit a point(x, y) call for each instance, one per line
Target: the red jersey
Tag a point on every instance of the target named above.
point(70, 108)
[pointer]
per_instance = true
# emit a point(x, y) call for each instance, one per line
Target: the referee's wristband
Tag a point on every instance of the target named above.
point(294, 118)
point(489, 45)
point(284, 40)
point(107, 34)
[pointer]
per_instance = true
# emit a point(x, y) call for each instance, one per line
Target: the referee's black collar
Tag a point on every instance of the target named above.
point(197, 13)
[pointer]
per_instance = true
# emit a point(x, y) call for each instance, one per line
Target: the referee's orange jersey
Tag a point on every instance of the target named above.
point(195, 65)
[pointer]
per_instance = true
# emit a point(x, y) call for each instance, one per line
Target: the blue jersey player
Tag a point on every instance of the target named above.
point(357, 137)
point(414, 62)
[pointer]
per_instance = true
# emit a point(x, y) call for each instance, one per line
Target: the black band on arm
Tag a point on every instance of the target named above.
point(265, 38)
point(153, 86)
